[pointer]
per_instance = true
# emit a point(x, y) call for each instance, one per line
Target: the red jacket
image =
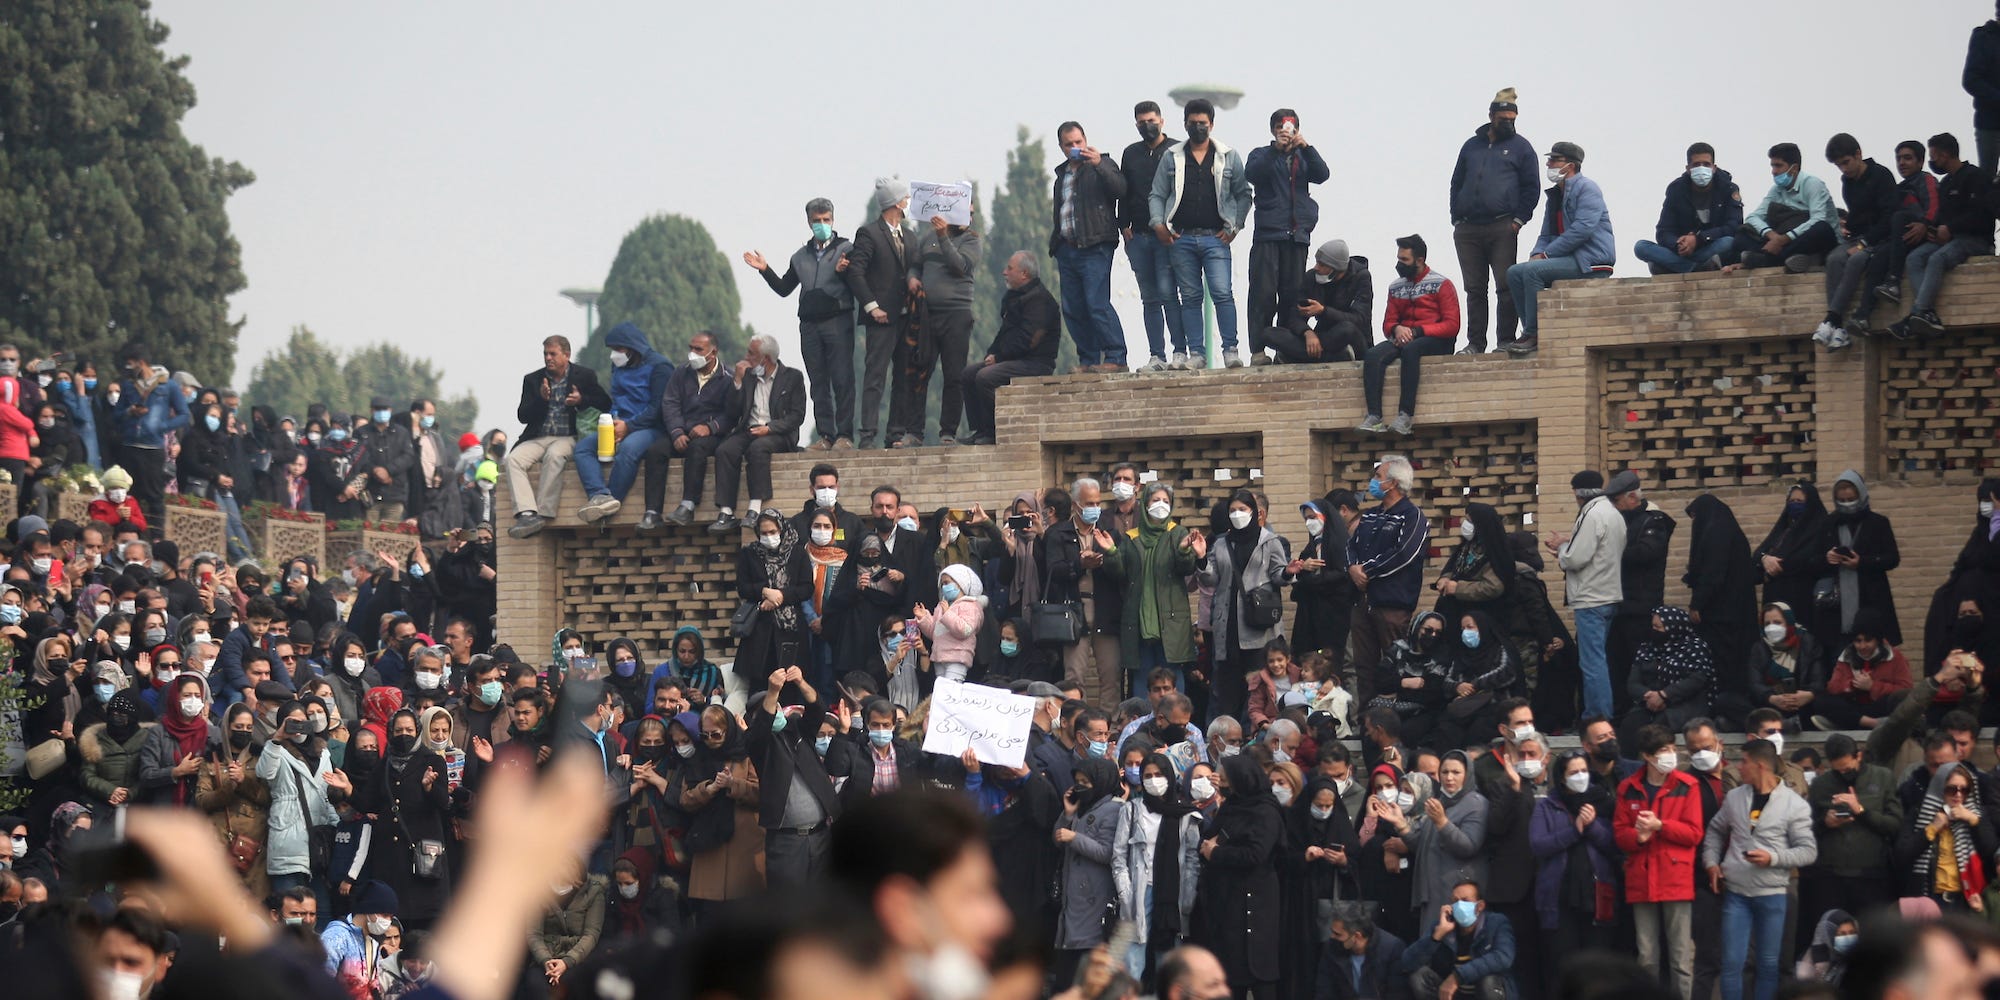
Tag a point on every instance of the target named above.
point(1428, 305)
point(15, 429)
point(1890, 676)
point(102, 509)
point(1661, 870)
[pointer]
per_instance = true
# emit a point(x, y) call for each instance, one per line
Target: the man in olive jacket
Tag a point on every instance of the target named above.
point(1856, 817)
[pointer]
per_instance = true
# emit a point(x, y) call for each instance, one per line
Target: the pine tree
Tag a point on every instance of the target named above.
point(671, 281)
point(112, 226)
point(305, 371)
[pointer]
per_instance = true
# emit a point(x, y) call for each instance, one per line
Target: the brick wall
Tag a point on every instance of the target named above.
point(1726, 396)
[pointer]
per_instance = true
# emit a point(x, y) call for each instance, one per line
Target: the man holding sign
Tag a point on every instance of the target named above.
point(942, 262)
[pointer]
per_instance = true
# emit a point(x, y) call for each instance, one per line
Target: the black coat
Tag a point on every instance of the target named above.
point(1511, 861)
point(1875, 543)
point(533, 409)
point(1642, 570)
point(404, 814)
point(1095, 214)
point(1382, 977)
point(782, 758)
point(768, 646)
point(1059, 559)
point(1236, 910)
point(788, 406)
point(1325, 597)
point(877, 273)
point(1795, 541)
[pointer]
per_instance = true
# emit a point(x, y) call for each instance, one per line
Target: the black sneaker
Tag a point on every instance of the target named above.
point(1471, 349)
point(724, 524)
point(682, 515)
point(650, 521)
point(1523, 347)
point(526, 525)
point(1891, 291)
point(1900, 330)
point(1856, 327)
point(1927, 322)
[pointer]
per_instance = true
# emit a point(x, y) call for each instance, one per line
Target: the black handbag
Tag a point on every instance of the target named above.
point(1263, 607)
point(744, 621)
point(319, 839)
point(1055, 623)
point(1826, 593)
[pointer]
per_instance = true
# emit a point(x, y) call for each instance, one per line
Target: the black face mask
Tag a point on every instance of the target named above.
point(1408, 271)
point(1426, 640)
point(1149, 131)
point(1607, 750)
point(239, 740)
point(402, 743)
point(1967, 629)
point(649, 755)
point(363, 760)
point(1169, 734)
point(1938, 168)
point(1197, 133)
point(884, 523)
point(1503, 129)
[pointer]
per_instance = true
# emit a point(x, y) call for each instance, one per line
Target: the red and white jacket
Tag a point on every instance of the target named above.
point(1427, 304)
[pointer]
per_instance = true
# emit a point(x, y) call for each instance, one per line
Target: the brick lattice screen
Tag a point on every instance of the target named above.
point(619, 584)
point(1706, 415)
point(1940, 411)
point(1188, 464)
point(1455, 465)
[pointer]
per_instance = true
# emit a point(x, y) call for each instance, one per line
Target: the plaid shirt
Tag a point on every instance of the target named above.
point(887, 778)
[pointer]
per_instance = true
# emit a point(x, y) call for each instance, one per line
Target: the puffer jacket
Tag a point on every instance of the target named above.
point(289, 849)
point(571, 926)
point(109, 765)
point(1661, 870)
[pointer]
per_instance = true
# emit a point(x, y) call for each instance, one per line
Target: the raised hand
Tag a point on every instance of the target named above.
point(756, 260)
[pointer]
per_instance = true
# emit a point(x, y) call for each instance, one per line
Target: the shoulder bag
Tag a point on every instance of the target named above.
point(1055, 623)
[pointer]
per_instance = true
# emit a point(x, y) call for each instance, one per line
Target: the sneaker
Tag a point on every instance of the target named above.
point(1371, 424)
point(947, 440)
point(1856, 327)
point(724, 524)
point(1824, 724)
point(1471, 349)
point(1890, 291)
point(682, 515)
point(526, 524)
point(1234, 361)
point(1155, 364)
point(975, 438)
point(1195, 362)
point(1823, 333)
point(600, 507)
point(650, 521)
point(1260, 359)
point(1403, 423)
point(1839, 340)
point(1800, 263)
point(1523, 347)
point(1900, 330)
point(1927, 322)
point(843, 444)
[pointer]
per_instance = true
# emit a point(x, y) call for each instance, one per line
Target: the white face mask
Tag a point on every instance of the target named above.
point(1239, 519)
point(115, 496)
point(768, 541)
point(1155, 786)
point(1158, 510)
point(378, 926)
point(20, 847)
point(1283, 793)
point(128, 607)
point(1985, 508)
point(696, 361)
point(822, 536)
point(1201, 788)
point(354, 665)
point(1578, 781)
point(191, 706)
point(121, 985)
point(1705, 760)
point(1122, 491)
point(950, 533)
point(1555, 175)
point(628, 890)
point(1387, 795)
point(1465, 530)
point(207, 664)
point(1341, 785)
point(1529, 769)
point(1314, 526)
point(198, 637)
point(428, 681)
point(1523, 733)
point(826, 497)
point(620, 359)
point(1774, 634)
point(1405, 800)
point(1777, 741)
point(1665, 761)
point(1322, 813)
point(123, 642)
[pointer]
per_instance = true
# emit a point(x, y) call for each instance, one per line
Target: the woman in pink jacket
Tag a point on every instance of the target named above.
point(953, 629)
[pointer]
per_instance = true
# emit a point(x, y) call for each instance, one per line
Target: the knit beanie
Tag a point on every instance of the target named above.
point(116, 478)
point(1332, 253)
point(1504, 101)
point(890, 191)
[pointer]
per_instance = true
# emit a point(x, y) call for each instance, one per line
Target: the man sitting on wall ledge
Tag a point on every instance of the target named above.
point(1576, 240)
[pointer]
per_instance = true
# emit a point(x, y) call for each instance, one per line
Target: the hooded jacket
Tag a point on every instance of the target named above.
point(110, 764)
point(1282, 182)
point(1495, 180)
point(1981, 76)
point(638, 388)
point(1660, 870)
point(1348, 298)
point(1232, 189)
point(1723, 200)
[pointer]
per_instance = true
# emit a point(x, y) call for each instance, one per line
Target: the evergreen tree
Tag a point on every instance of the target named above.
point(305, 371)
point(112, 226)
point(671, 281)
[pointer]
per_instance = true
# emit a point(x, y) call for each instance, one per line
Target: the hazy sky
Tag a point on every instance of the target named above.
point(433, 173)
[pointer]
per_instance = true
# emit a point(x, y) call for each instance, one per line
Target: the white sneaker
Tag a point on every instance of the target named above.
point(1824, 333)
point(1234, 361)
point(1840, 339)
point(1154, 364)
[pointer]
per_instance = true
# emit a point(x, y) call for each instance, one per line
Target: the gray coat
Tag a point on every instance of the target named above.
point(1132, 865)
point(288, 851)
point(1088, 889)
point(157, 759)
point(1267, 566)
point(1784, 829)
point(1448, 855)
point(946, 265)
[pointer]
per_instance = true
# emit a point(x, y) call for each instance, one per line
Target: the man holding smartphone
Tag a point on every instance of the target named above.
point(1282, 174)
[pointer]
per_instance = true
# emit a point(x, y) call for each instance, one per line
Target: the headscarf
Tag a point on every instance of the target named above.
point(716, 758)
point(1716, 543)
point(1422, 790)
point(826, 560)
point(190, 734)
point(424, 729)
point(556, 645)
point(1490, 667)
point(632, 912)
point(1027, 577)
point(1395, 775)
point(377, 708)
point(1104, 781)
point(777, 563)
point(1971, 869)
point(1248, 784)
point(1822, 951)
point(1847, 526)
point(1681, 653)
point(1465, 761)
point(1781, 662)
point(399, 760)
point(44, 676)
point(1795, 537)
point(1488, 545)
point(121, 715)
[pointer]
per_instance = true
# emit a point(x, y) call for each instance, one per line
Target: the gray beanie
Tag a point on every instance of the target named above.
point(889, 191)
point(1332, 253)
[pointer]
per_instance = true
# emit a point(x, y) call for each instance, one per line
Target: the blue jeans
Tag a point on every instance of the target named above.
point(1593, 630)
point(1670, 262)
point(624, 463)
point(1527, 279)
point(1198, 259)
point(1745, 917)
point(1135, 953)
point(1154, 270)
point(239, 539)
point(1086, 303)
point(1928, 263)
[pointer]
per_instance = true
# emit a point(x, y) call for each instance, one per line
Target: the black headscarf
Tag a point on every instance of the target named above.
point(1526, 550)
point(1489, 537)
point(731, 750)
point(121, 715)
point(1796, 536)
point(1493, 653)
point(1104, 780)
point(1595, 794)
point(1248, 784)
point(1717, 546)
point(1166, 846)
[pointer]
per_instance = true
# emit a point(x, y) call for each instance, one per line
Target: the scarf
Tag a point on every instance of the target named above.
point(1971, 873)
point(1681, 653)
point(826, 563)
point(42, 676)
point(1782, 662)
point(378, 706)
point(398, 761)
point(632, 912)
point(1156, 554)
point(424, 730)
point(1027, 576)
point(1847, 525)
point(1490, 666)
point(1795, 537)
point(1368, 823)
point(1166, 919)
point(777, 567)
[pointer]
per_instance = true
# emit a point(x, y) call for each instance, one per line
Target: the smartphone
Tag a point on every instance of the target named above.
point(1843, 551)
point(1020, 522)
point(957, 513)
point(207, 577)
point(584, 665)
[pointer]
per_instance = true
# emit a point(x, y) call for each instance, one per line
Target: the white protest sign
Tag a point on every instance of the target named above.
point(992, 721)
point(953, 201)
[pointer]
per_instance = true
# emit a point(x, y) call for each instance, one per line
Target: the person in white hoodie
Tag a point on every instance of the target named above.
point(1761, 835)
point(1591, 556)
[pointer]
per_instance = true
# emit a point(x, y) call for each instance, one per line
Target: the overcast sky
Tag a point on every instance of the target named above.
point(432, 174)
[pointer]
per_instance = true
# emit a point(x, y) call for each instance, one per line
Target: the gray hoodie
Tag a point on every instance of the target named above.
point(1783, 828)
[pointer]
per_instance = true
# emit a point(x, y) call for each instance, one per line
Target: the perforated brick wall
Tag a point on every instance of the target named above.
point(1940, 403)
point(1707, 416)
point(1203, 471)
point(1455, 465)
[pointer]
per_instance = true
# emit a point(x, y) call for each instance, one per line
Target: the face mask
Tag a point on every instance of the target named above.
point(427, 421)
point(1844, 943)
point(337, 435)
point(1122, 491)
point(1470, 637)
point(894, 644)
point(1091, 514)
point(1158, 510)
point(821, 744)
point(191, 706)
point(950, 533)
point(779, 722)
point(1466, 530)
point(1155, 786)
point(768, 541)
point(120, 985)
point(628, 890)
point(378, 926)
point(1149, 131)
point(1529, 769)
point(1774, 634)
point(1407, 271)
point(1132, 775)
point(104, 690)
point(198, 636)
point(1283, 793)
point(1231, 751)
point(1239, 519)
point(1200, 788)
point(907, 523)
point(1314, 527)
point(239, 740)
point(822, 232)
point(402, 743)
point(1009, 647)
point(46, 423)
point(1325, 278)
point(1096, 748)
point(155, 636)
point(1578, 782)
point(354, 665)
point(20, 847)
point(1847, 506)
point(489, 693)
point(1387, 795)
point(949, 591)
point(1783, 181)
point(1405, 800)
point(825, 496)
point(10, 614)
point(1809, 776)
point(1704, 760)
point(1197, 133)
point(416, 572)
point(312, 437)
point(685, 749)
point(1985, 508)
point(881, 737)
point(382, 416)
point(115, 496)
point(624, 668)
point(427, 681)
point(1555, 175)
point(1777, 741)
point(128, 607)
point(1665, 761)
point(1374, 489)
point(89, 384)
point(620, 359)
point(1464, 912)
point(317, 723)
point(1701, 176)
point(1280, 757)
point(1503, 129)
point(1607, 750)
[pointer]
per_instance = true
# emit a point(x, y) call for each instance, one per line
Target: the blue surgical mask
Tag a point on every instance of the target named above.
point(881, 737)
point(1009, 647)
point(949, 591)
point(821, 744)
point(10, 614)
point(822, 232)
point(337, 434)
point(1464, 912)
point(1091, 514)
point(1132, 775)
point(489, 693)
point(428, 421)
point(89, 384)
point(1374, 489)
point(1098, 748)
point(1701, 176)
point(779, 721)
point(416, 572)
point(895, 643)
point(1783, 181)
point(625, 668)
point(213, 422)
point(382, 416)
point(1795, 506)
point(104, 690)
point(1844, 943)
point(907, 524)
point(1470, 637)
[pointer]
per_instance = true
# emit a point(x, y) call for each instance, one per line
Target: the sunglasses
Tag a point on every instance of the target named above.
point(711, 735)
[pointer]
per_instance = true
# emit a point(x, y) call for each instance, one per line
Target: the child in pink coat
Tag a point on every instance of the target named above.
point(953, 629)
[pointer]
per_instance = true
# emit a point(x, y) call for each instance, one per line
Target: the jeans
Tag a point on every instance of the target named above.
point(1487, 248)
point(624, 463)
point(828, 347)
point(238, 540)
point(1153, 654)
point(1152, 267)
point(1086, 303)
point(1928, 263)
point(1527, 279)
point(1665, 260)
point(1593, 628)
point(1375, 368)
point(1135, 953)
point(1276, 269)
point(1745, 917)
point(980, 382)
point(1845, 267)
point(1199, 259)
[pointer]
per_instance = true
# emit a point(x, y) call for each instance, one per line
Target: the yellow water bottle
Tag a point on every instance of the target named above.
point(607, 444)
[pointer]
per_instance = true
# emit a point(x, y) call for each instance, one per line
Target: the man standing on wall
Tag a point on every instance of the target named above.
point(1494, 190)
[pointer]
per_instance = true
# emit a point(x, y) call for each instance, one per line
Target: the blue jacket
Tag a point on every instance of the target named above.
point(636, 388)
point(1725, 210)
point(1285, 206)
point(1495, 180)
point(82, 416)
point(166, 411)
point(1389, 545)
point(1492, 951)
point(1577, 225)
